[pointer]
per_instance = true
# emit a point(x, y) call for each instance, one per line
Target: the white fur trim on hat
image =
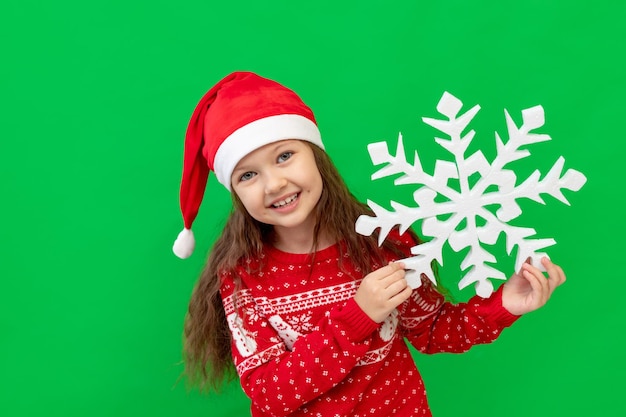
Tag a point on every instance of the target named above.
point(257, 134)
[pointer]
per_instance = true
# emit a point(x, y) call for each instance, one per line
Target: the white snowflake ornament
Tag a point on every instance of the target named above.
point(495, 186)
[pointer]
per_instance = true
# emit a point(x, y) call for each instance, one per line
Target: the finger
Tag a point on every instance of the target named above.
point(556, 276)
point(385, 271)
point(562, 273)
point(396, 276)
point(534, 299)
point(397, 286)
point(391, 268)
point(398, 267)
point(533, 270)
point(554, 272)
point(538, 282)
point(401, 297)
point(526, 261)
point(395, 266)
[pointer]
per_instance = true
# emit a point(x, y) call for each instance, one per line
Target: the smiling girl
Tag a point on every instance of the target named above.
point(313, 317)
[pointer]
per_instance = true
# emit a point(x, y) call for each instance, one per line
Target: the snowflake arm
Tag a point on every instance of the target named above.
point(413, 174)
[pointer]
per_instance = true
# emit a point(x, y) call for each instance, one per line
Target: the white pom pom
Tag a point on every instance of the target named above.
point(184, 244)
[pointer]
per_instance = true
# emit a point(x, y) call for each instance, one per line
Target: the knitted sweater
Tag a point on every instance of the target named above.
point(303, 347)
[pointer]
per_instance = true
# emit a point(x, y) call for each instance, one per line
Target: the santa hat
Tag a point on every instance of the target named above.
point(239, 114)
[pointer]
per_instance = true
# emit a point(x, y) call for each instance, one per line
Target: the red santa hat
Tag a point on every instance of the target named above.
point(239, 114)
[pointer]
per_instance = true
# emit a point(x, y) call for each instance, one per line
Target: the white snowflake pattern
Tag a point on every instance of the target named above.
point(252, 314)
point(463, 207)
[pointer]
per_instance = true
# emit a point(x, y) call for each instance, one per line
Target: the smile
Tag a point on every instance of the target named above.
point(286, 201)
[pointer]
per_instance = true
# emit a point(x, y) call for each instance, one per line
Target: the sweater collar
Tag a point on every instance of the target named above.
point(325, 254)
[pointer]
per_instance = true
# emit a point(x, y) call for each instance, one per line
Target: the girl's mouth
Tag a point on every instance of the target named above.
point(286, 201)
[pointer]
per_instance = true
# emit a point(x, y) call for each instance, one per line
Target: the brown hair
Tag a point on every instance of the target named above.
point(207, 339)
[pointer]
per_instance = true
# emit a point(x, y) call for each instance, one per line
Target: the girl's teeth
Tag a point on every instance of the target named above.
point(286, 201)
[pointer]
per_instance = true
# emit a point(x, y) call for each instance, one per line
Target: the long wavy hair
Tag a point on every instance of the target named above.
point(207, 338)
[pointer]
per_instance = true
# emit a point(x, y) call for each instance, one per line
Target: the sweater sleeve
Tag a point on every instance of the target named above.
point(432, 325)
point(280, 371)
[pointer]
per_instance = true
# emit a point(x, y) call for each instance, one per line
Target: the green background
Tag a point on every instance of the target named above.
point(96, 97)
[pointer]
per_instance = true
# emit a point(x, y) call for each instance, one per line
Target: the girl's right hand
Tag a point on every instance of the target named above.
point(382, 291)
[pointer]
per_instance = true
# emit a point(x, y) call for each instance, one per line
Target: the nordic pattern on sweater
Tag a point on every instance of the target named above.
point(303, 347)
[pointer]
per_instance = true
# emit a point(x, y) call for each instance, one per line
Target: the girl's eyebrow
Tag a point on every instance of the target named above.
point(283, 144)
point(241, 169)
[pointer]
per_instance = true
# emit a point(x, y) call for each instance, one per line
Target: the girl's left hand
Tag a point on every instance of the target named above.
point(529, 289)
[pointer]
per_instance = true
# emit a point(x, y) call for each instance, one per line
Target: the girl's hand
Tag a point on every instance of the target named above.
point(382, 291)
point(529, 289)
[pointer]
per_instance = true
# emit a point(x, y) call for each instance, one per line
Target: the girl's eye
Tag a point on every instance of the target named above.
point(284, 156)
point(247, 176)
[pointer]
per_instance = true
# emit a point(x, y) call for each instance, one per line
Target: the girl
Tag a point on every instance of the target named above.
point(313, 315)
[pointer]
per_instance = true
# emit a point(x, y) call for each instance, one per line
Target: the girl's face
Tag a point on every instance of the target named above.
point(279, 184)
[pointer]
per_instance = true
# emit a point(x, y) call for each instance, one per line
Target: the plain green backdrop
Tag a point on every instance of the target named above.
point(96, 97)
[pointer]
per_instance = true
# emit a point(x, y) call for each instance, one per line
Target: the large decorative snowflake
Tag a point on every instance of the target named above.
point(462, 218)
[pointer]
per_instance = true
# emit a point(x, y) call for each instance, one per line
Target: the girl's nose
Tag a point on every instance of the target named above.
point(274, 183)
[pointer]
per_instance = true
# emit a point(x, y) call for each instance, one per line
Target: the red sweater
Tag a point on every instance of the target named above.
point(303, 347)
